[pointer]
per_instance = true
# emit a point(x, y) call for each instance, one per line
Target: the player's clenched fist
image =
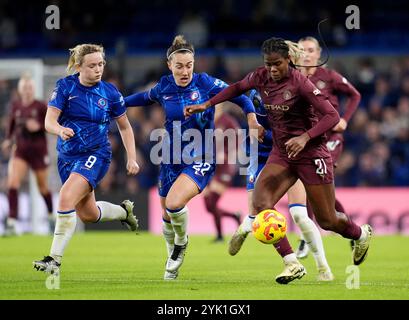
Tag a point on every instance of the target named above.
point(132, 167)
point(66, 133)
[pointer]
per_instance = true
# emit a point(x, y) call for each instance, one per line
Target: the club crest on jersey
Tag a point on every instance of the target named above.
point(287, 94)
point(321, 84)
point(194, 95)
point(102, 103)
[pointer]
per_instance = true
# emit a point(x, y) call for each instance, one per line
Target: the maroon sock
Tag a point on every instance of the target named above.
point(13, 203)
point(211, 200)
point(48, 201)
point(351, 231)
point(283, 247)
point(338, 206)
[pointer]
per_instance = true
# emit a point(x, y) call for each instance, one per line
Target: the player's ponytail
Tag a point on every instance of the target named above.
point(179, 44)
point(295, 52)
point(78, 52)
point(71, 60)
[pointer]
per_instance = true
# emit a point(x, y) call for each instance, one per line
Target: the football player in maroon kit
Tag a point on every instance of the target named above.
point(331, 84)
point(299, 151)
point(26, 137)
point(225, 169)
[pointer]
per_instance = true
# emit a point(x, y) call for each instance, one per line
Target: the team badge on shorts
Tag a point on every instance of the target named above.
point(287, 95)
point(251, 178)
point(102, 103)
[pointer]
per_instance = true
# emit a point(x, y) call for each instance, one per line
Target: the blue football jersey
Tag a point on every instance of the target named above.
point(190, 139)
point(264, 147)
point(87, 111)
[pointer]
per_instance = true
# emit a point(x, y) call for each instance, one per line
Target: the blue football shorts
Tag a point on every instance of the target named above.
point(200, 172)
point(91, 167)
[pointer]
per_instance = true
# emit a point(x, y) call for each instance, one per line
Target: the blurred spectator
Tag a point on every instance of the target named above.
point(8, 32)
point(194, 28)
point(365, 79)
point(405, 86)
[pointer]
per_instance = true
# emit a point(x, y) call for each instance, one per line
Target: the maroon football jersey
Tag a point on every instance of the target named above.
point(291, 105)
point(224, 122)
point(18, 118)
point(331, 84)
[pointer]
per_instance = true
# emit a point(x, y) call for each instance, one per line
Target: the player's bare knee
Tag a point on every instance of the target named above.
point(174, 204)
point(65, 202)
point(262, 202)
point(263, 205)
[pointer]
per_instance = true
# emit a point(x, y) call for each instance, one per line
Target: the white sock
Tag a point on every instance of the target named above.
point(179, 222)
point(310, 233)
point(169, 235)
point(64, 229)
point(290, 258)
point(247, 224)
point(110, 212)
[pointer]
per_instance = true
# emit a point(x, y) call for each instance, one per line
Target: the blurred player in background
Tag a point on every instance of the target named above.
point(79, 113)
point(332, 85)
point(27, 138)
point(225, 169)
point(184, 172)
point(299, 152)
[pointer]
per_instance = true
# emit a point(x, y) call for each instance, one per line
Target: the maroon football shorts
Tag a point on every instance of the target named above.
point(36, 156)
point(225, 173)
point(311, 171)
point(335, 145)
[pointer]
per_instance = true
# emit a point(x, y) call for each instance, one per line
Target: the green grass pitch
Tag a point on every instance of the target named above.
point(122, 265)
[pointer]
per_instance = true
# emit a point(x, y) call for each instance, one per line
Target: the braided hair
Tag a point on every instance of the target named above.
point(285, 48)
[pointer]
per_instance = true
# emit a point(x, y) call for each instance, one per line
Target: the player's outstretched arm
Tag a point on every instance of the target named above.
point(52, 126)
point(196, 108)
point(256, 130)
point(128, 140)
